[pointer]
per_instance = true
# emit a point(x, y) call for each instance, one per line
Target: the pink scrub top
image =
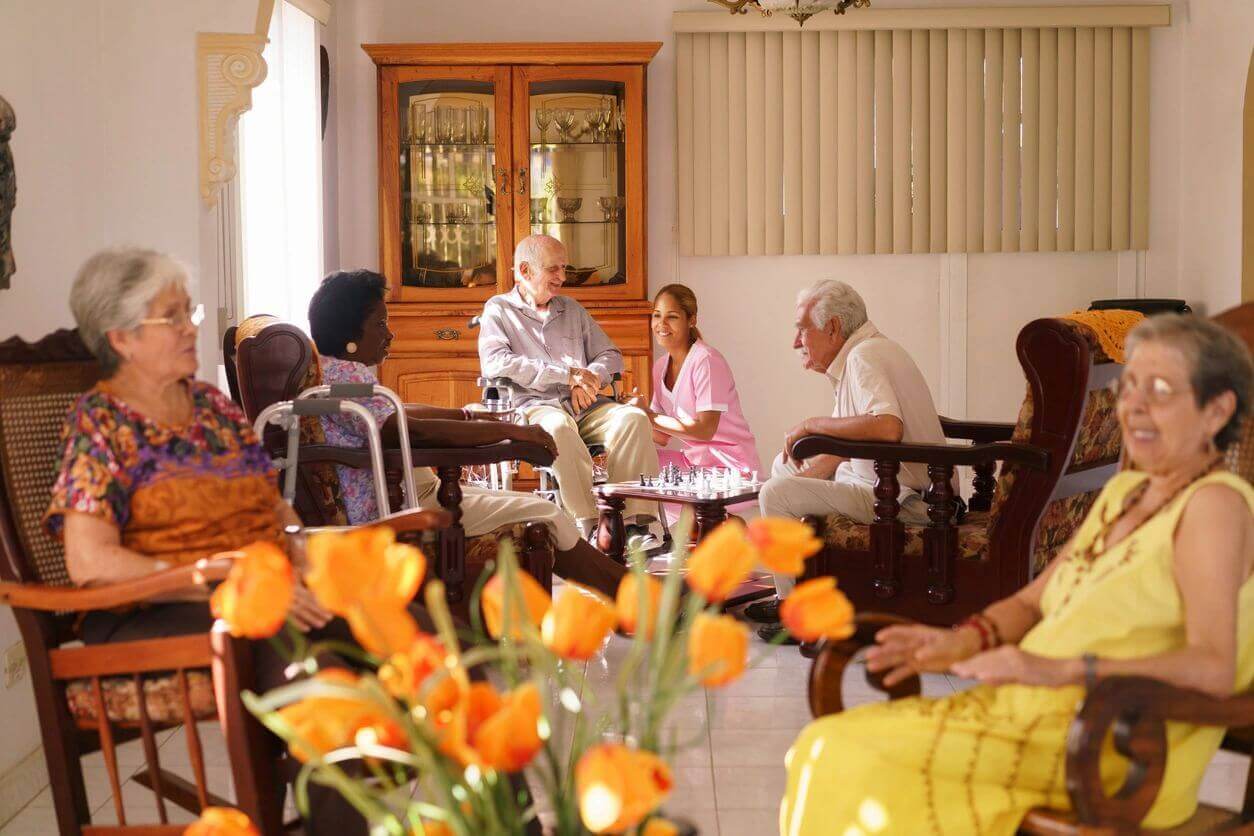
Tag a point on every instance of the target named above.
point(705, 384)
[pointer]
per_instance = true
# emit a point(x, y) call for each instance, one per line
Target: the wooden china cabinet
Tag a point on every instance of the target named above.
point(483, 144)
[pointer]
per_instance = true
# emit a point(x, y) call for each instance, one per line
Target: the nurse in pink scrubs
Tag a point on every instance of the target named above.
point(695, 409)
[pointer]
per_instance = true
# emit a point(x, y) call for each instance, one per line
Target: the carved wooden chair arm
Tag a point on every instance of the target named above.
point(124, 593)
point(1136, 709)
point(980, 432)
point(828, 668)
point(944, 455)
point(410, 522)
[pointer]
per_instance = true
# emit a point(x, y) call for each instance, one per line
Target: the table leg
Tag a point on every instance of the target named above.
point(611, 533)
point(710, 515)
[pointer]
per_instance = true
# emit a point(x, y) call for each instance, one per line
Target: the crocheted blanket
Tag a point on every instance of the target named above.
point(1111, 327)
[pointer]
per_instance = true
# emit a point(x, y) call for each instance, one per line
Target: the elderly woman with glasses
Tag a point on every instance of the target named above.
point(160, 469)
point(1158, 582)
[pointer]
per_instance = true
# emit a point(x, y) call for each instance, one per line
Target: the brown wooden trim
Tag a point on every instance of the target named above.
point(150, 745)
point(143, 656)
point(550, 53)
point(179, 791)
point(940, 454)
point(135, 830)
point(983, 432)
point(58, 598)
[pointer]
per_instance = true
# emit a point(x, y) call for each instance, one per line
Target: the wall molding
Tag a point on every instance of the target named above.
point(977, 17)
point(228, 67)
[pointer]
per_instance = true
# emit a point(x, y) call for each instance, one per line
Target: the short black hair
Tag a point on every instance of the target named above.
point(337, 311)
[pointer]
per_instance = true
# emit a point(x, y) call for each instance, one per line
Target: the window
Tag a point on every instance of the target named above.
point(281, 175)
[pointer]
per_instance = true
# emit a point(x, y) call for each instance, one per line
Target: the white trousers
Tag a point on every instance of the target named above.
point(485, 510)
point(786, 494)
point(628, 439)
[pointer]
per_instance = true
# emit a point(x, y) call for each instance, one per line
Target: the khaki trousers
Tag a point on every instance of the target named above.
point(628, 439)
point(485, 510)
point(786, 494)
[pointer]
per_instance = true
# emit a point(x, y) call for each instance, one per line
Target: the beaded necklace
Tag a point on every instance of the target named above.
point(1091, 551)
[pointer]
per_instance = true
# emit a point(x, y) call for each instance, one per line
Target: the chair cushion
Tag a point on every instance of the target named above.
point(162, 695)
point(843, 533)
point(480, 549)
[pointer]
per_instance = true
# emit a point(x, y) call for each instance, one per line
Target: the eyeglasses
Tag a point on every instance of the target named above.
point(192, 317)
point(1156, 390)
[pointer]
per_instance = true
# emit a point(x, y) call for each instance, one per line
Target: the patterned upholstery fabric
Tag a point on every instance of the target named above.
point(480, 549)
point(1059, 521)
point(843, 533)
point(1240, 456)
point(162, 696)
point(328, 484)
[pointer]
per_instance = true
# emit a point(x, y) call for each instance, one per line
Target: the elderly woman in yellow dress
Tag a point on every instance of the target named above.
point(1156, 583)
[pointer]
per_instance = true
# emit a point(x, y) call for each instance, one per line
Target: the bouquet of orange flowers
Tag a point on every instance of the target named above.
point(433, 746)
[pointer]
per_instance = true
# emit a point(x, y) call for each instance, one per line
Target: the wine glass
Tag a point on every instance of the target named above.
point(603, 117)
point(544, 118)
point(569, 206)
point(565, 120)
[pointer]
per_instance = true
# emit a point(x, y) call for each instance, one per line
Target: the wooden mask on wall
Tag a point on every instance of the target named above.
point(8, 194)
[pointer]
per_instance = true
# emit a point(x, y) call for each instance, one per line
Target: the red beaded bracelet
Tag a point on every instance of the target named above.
point(985, 627)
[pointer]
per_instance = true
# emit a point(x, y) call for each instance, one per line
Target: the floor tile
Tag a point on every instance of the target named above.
point(749, 748)
point(748, 822)
point(730, 711)
point(694, 787)
point(32, 821)
point(705, 819)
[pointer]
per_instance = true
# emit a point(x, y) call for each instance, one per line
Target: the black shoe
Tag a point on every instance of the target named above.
point(763, 612)
point(647, 540)
point(770, 632)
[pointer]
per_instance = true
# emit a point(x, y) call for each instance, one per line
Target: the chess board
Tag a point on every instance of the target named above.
point(694, 483)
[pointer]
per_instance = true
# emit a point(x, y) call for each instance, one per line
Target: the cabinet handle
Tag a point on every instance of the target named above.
point(503, 178)
point(447, 334)
point(522, 181)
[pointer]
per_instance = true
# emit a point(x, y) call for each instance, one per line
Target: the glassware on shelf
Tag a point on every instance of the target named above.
point(423, 213)
point(564, 118)
point(544, 118)
point(589, 120)
point(459, 213)
point(443, 123)
point(602, 117)
point(620, 123)
point(460, 121)
point(539, 210)
point(569, 206)
point(416, 121)
point(611, 207)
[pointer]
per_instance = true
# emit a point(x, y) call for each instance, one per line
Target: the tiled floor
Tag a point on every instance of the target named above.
point(728, 783)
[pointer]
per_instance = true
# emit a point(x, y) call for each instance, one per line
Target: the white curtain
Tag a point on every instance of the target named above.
point(281, 175)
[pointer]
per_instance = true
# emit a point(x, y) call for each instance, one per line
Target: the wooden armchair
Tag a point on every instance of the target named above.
point(275, 361)
point(1053, 462)
point(88, 698)
point(1133, 709)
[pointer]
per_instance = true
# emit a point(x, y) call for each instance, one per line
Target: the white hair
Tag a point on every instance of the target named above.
point(531, 249)
point(112, 292)
point(834, 300)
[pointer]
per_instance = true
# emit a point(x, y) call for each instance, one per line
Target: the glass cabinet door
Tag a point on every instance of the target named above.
point(579, 165)
point(449, 236)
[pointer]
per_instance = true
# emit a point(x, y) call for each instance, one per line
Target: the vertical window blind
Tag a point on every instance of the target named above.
point(919, 133)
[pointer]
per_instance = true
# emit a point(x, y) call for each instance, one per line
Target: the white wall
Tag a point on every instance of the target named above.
point(106, 154)
point(1198, 71)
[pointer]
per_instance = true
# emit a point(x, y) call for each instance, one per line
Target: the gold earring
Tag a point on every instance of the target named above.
point(351, 348)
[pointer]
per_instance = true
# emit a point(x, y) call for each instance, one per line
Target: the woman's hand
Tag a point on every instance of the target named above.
point(1008, 665)
point(910, 649)
point(306, 611)
point(533, 434)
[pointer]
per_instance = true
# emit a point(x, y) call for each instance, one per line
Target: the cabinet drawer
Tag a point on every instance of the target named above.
point(434, 335)
point(630, 334)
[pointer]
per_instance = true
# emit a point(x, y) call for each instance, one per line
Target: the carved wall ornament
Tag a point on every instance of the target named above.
point(8, 193)
point(229, 67)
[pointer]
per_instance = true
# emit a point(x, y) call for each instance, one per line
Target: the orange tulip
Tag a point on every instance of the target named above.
point(535, 601)
point(659, 827)
point(221, 821)
point(255, 597)
point(365, 567)
point(323, 723)
point(721, 562)
point(783, 544)
point(628, 603)
point(432, 828)
point(617, 787)
point(404, 673)
point(510, 738)
point(456, 708)
point(718, 648)
point(817, 610)
point(578, 622)
point(383, 629)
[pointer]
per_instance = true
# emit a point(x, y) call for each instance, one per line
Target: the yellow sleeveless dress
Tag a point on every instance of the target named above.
point(978, 761)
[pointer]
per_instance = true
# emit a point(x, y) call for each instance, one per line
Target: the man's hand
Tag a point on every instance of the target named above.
point(582, 397)
point(581, 377)
point(534, 434)
point(792, 437)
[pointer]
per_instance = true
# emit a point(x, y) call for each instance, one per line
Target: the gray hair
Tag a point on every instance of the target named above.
point(112, 292)
point(834, 300)
point(1219, 360)
point(531, 249)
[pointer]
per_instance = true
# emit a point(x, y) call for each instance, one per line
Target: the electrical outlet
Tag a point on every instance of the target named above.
point(14, 664)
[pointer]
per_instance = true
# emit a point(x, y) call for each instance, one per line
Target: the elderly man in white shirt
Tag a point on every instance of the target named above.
point(880, 396)
point(559, 359)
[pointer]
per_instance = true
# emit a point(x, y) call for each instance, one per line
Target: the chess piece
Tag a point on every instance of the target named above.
point(8, 193)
